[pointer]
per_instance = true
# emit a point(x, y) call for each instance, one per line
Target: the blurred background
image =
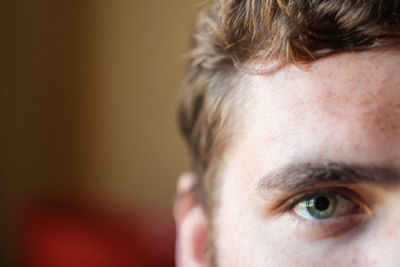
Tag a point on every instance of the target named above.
point(90, 148)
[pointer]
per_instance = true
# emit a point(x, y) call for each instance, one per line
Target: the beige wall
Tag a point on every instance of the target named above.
point(87, 102)
point(136, 66)
point(89, 97)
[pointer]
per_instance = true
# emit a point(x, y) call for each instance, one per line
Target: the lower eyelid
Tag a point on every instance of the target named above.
point(332, 227)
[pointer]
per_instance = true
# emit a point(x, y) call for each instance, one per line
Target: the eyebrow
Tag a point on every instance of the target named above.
point(297, 176)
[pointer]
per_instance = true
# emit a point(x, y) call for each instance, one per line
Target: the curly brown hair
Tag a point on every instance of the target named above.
point(259, 36)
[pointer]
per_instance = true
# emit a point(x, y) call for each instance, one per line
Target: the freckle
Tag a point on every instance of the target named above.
point(365, 101)
point(328, 75)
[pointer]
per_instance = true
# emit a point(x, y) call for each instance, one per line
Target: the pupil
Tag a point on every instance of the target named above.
point(322, 203)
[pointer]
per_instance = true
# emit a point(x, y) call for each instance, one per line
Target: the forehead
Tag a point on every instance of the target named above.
point(331, 108)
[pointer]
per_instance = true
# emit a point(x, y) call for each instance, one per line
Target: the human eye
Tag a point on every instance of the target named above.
point(327, 212)
point(324, 206)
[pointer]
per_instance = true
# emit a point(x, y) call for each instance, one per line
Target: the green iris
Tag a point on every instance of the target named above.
point(321, 206)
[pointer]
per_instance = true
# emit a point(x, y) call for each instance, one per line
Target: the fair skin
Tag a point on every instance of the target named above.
point(327, 132)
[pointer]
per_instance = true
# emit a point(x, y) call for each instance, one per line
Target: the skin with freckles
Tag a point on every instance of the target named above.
point(332, 122)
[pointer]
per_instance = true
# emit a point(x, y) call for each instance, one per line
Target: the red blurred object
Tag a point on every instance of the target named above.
point(70, 235)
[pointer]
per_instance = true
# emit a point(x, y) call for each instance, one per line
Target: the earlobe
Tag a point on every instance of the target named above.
point(192, 225)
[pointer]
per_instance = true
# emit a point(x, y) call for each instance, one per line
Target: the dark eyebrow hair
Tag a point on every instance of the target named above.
point(296, 176)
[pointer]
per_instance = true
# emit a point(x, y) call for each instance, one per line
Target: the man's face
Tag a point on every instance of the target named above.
point(310, 177)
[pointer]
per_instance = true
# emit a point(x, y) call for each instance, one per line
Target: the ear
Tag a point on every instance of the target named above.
point(192, 224)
